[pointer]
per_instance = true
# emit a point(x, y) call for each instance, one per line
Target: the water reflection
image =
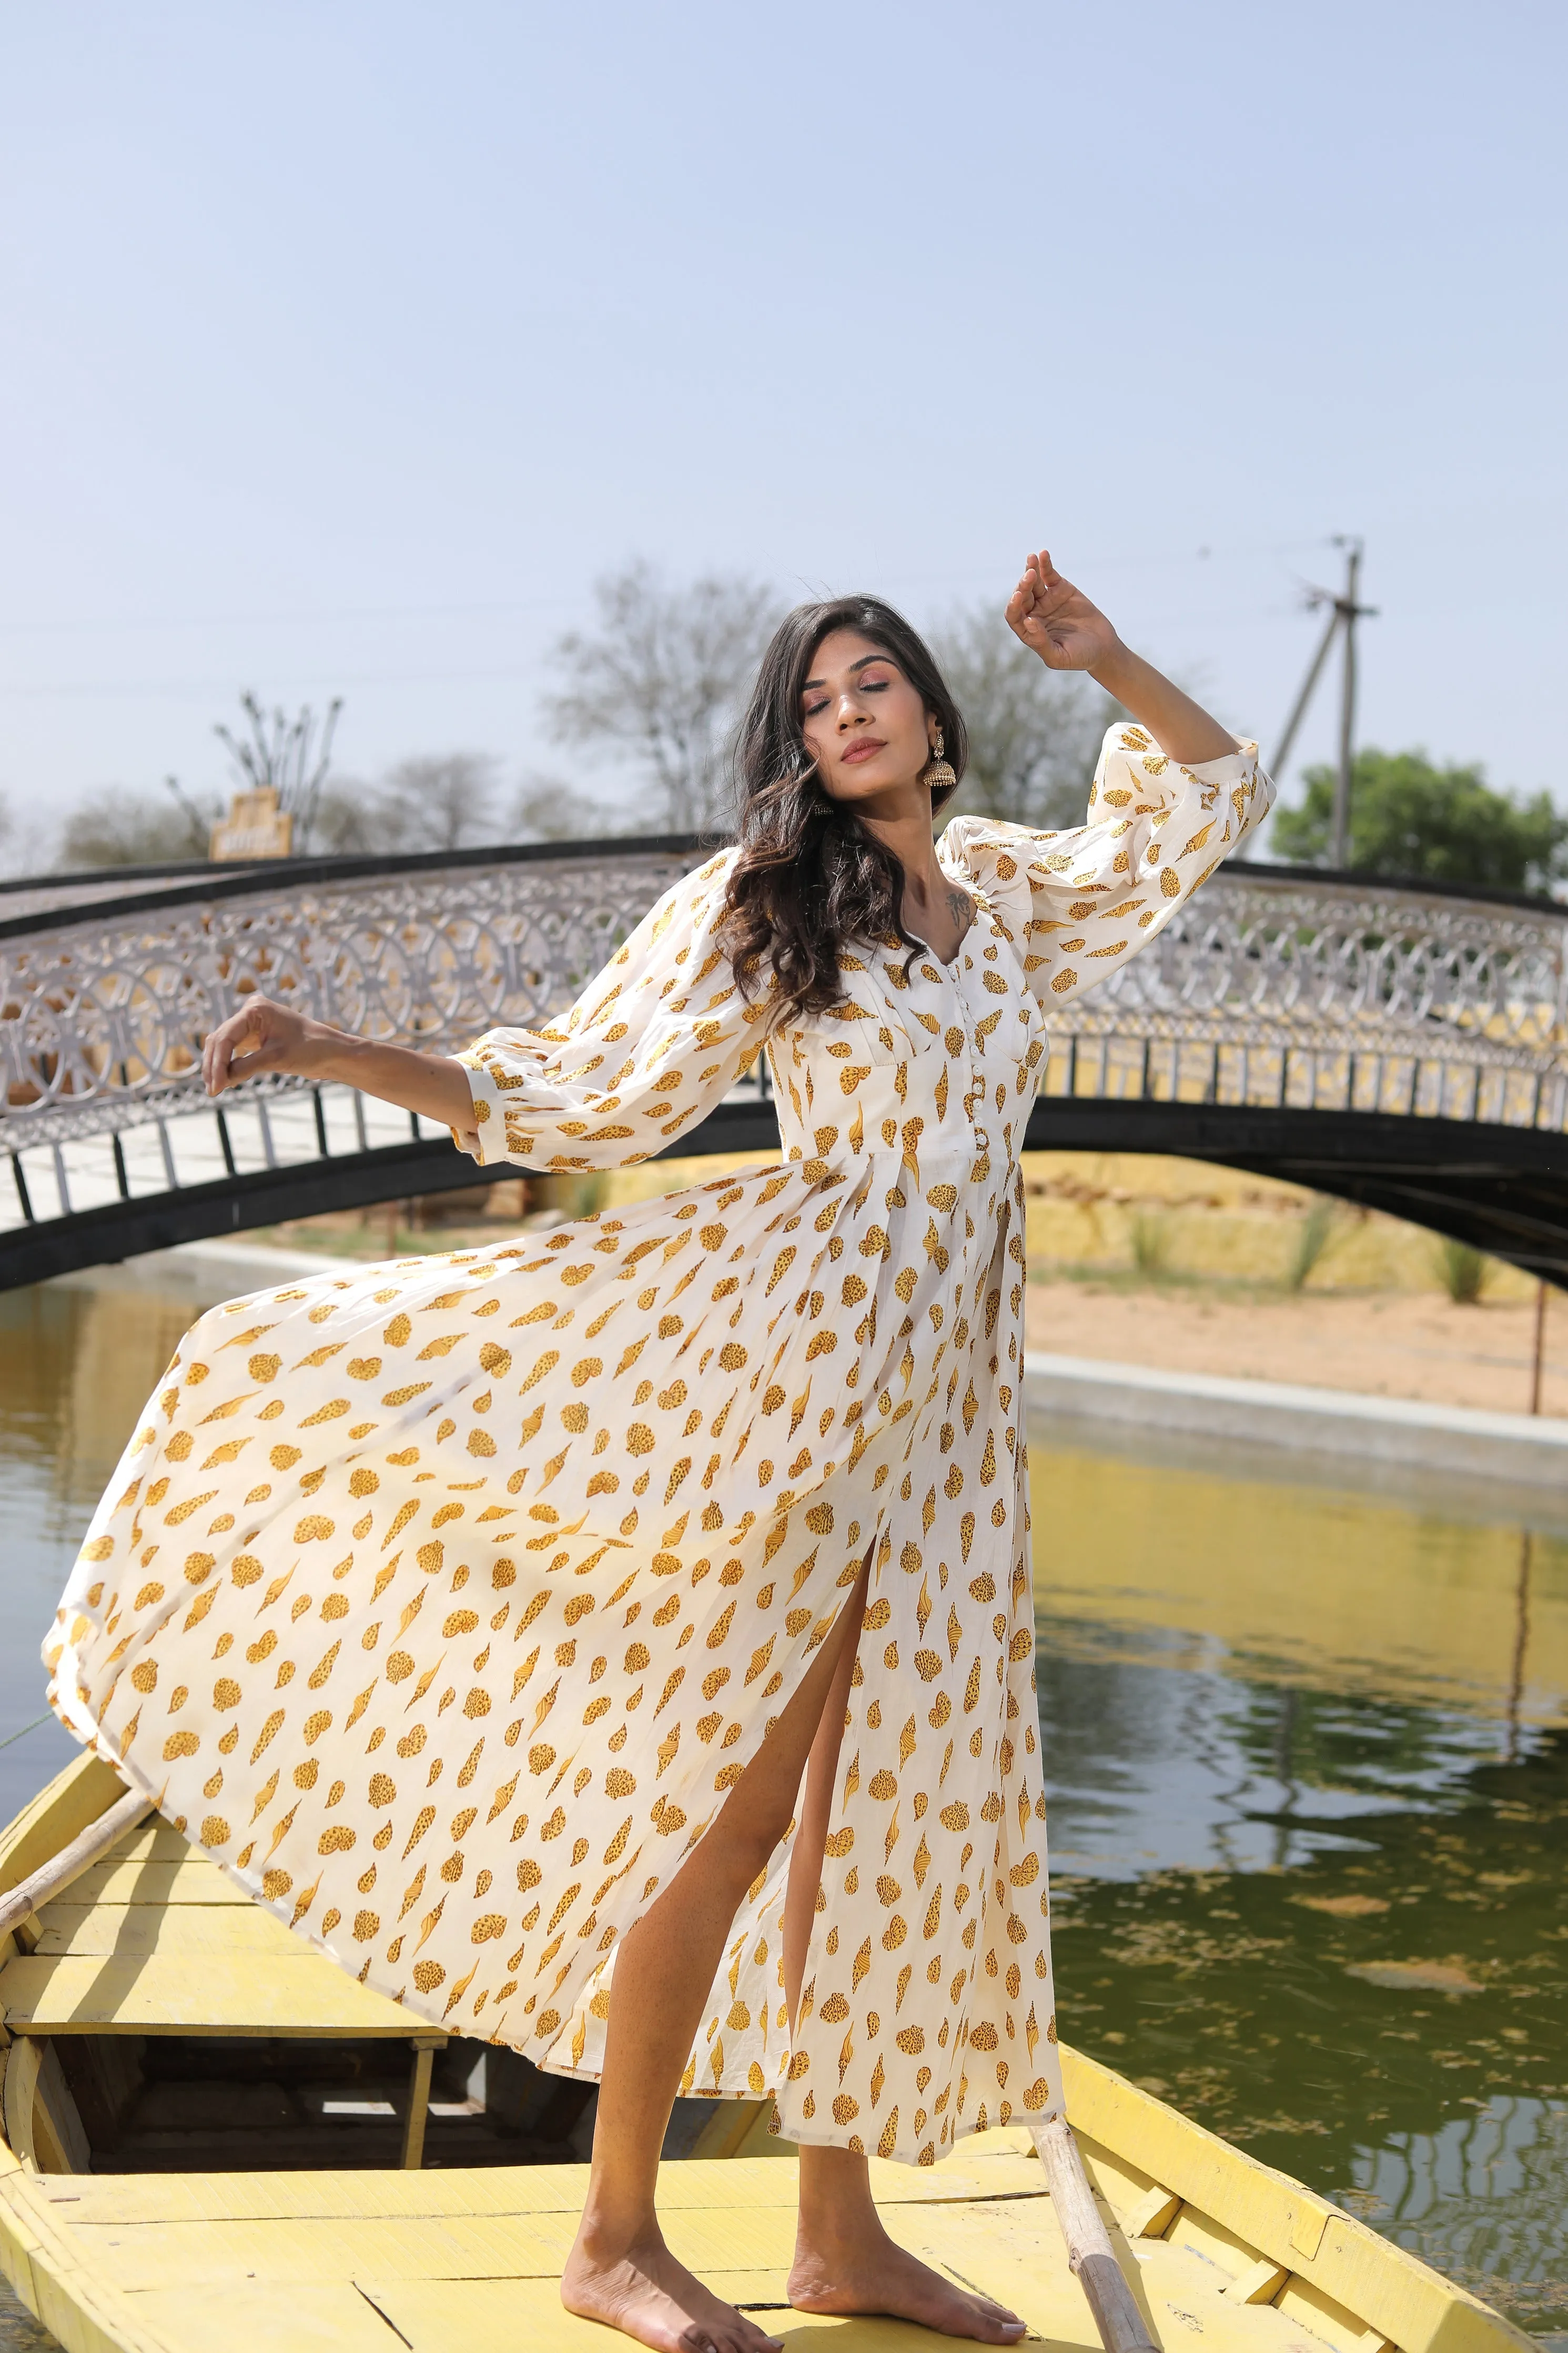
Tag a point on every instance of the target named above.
point(1309, 1784)
point(1308, 1805)
point(1159, 1764)
point(1483, 2196)
point(77, 1363)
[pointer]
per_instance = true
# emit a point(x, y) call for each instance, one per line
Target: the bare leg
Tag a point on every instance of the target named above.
point(620, 2271)
point(844, 2261)
point(811, 1829)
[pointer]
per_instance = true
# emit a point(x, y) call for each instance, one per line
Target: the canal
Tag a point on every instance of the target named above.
point(1305, 1746)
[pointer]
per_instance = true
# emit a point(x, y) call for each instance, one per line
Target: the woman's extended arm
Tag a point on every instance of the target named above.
point(653, 1042)
point(263, 1037)
point(1058, 622)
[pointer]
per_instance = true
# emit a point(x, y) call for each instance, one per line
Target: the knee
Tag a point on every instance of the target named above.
point(762, 1846)
point(753, 1836)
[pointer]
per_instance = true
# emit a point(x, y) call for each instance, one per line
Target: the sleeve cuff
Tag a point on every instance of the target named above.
point(1228, 769)
point(482, 1137)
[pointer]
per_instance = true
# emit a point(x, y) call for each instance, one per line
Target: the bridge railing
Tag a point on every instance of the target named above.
point(1320, 994)
point(1274, 988)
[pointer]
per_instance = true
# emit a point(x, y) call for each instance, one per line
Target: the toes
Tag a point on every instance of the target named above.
point(1007, 2326)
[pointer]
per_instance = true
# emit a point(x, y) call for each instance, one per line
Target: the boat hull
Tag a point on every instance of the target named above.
point(145, 1951)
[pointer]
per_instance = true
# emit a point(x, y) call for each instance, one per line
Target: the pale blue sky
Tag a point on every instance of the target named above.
point(346, 343)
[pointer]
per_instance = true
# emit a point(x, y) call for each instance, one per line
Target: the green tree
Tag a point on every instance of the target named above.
point(1439, 825)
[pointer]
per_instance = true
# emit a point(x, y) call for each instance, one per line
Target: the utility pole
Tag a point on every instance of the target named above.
point(1347, 612)
point(1344, 611)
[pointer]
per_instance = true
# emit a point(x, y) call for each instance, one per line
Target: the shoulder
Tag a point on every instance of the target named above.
point(707, 886)
point(696, 899)
point(985, 850)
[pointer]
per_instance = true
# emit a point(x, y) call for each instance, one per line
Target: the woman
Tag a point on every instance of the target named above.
point(656, 1593)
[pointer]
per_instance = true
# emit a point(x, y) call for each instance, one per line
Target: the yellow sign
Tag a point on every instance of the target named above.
point(255, 827)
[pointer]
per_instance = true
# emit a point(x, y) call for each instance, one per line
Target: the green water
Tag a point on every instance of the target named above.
point(1309, 1788)
point(1308, 1819)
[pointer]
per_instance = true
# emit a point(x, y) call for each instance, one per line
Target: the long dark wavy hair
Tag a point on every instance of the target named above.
point(810, 878)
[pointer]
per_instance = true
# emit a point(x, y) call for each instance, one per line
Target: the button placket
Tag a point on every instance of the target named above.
point(974, 1093)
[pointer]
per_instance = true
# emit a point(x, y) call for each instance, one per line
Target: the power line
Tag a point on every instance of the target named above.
point(46, 1714)
point(1139, 560)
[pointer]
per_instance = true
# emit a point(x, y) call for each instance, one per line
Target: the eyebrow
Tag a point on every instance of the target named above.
point(864, 663)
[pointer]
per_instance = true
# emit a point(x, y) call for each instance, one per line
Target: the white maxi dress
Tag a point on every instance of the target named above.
point(442, 1604)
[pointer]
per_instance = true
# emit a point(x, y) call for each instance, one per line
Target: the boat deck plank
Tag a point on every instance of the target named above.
point(473, 2257)
point(156, 1841)
point(291, 1994)
point(500, 2315)
point(426, 2267)
point(265, 2317)
point(154, 1881)
point(135, 1930)
point(716, 2184)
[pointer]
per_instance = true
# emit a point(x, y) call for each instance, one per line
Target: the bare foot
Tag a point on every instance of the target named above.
point(872, 2273)
point(641, 2290)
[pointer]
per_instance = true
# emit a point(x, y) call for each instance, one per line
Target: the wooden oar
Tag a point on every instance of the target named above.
point(1089, 2252)
point(19, 1902)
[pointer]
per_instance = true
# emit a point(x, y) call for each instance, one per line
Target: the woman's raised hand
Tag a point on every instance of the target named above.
point(1056, 621)
point(260, 1037)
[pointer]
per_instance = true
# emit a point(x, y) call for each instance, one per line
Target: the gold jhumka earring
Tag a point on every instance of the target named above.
point(939, 775)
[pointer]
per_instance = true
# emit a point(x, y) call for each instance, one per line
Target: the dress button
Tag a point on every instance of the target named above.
point(983, 1138)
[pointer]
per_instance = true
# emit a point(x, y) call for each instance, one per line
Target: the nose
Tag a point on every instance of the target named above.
point(850, 712)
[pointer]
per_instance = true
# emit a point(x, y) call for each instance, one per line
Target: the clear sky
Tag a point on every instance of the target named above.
point(345, 344)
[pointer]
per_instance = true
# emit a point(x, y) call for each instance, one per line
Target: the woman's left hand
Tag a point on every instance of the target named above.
point(1056, 621)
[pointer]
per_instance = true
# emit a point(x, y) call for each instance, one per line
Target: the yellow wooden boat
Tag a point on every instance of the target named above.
point(213, 2137)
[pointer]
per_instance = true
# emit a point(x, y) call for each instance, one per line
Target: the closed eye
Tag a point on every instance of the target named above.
point(864, 685)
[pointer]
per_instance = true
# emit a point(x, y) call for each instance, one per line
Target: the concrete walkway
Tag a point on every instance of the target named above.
point(1396, 1431)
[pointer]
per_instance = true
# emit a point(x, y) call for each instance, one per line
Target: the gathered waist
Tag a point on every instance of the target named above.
point(976, 1156)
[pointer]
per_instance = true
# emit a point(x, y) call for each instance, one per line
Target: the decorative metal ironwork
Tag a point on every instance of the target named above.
point(1274, 994)
point(1281, 989)
point(103, 1016)
point(1270, 989)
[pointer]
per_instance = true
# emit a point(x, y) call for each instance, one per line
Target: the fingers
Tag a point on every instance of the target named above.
point(1021, 604)
point(1039, 586)
point(219, 1048)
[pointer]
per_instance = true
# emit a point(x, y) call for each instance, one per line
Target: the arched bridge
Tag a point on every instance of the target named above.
point(1402, 1048)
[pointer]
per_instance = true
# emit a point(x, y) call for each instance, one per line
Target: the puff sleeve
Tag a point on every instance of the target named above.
point(1080, 904)
point(650, 1045)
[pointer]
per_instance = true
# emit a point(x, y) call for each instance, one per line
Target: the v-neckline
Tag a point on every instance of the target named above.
point(950, 963)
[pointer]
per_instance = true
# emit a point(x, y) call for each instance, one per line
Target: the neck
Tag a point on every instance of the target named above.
point(905, 829)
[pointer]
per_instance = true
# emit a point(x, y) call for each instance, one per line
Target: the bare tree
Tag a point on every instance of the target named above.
point(664, 675)
point(547, 808)
point(348, 822)
point(289, 754)
point(1034, 734)
point(444, 801)
point(437, 801)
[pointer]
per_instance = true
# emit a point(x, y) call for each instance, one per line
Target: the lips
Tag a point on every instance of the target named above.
point(866, 749)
